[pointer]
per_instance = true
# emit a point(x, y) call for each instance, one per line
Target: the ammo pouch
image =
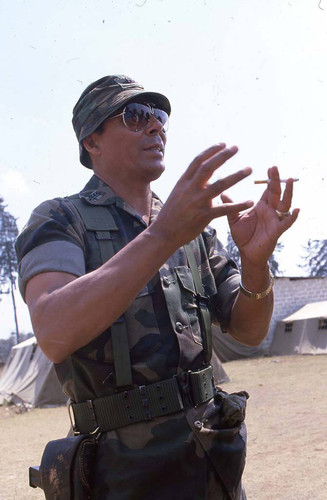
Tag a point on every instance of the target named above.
point(222, 433)
point(226, 411)
point(66, 470)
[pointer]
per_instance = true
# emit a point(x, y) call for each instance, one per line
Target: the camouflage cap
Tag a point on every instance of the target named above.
point(101, 99)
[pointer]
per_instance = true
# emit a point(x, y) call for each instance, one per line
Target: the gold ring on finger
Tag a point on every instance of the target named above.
point(282, 215)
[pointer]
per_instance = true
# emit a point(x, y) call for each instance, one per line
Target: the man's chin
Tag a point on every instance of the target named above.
point(160, 170)
point(155, 171)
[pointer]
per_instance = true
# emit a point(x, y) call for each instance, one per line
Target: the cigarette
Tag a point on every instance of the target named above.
point(266, 181)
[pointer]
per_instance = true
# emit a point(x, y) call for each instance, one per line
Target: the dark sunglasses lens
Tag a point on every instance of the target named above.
point(137, 116)
point(162, 117)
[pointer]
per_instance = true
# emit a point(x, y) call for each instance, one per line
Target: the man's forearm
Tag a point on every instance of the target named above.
point(250, 318)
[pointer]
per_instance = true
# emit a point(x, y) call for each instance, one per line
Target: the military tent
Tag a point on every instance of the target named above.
point(29, 377)
point(303, 332)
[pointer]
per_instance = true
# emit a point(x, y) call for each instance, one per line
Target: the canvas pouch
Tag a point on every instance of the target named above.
point(66, 470)
point(222, 432)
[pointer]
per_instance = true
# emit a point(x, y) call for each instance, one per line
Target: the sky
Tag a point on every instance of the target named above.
point(251, 73)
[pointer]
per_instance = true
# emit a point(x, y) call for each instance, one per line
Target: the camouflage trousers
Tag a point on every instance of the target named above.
point(157, 461)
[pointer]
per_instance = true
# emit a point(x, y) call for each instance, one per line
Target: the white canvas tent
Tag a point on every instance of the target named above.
point(29, 377)
point(303, 332)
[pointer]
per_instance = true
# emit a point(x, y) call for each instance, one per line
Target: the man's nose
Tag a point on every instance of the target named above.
point(154, 126)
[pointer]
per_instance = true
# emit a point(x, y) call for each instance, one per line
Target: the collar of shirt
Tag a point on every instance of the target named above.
point(97, 192)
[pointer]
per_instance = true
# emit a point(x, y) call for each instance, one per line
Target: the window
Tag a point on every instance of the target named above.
point(322, 324)
point(288, 327)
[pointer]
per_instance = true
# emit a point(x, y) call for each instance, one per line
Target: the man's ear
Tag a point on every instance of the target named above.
point(90, 144)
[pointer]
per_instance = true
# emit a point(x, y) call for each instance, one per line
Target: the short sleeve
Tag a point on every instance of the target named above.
point(52, 240)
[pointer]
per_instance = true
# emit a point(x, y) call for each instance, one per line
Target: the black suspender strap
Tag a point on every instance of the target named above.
point(205, 317)
point(121, 355)
point(98, 218)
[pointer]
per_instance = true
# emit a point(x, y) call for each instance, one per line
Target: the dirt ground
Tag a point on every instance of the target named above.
point(286, 420)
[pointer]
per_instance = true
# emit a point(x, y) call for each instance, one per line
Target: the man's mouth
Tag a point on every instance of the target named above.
point(155, 147)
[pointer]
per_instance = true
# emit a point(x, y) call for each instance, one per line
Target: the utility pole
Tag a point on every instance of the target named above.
point(12, 286)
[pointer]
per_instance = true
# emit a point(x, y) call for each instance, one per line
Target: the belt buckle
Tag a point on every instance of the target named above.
point(206, 384)
point(186, 386)
point(94, 418)
point(72, 417)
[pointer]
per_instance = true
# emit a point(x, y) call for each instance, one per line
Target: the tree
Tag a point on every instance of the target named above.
point(235, 255)
point(316, 258)
point(233, 251)
point(274, 264)
point(8, 259)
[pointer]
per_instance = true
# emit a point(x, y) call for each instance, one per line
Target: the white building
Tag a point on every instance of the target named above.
point(290, 295)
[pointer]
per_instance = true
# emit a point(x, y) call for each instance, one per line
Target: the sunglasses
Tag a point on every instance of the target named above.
point(137, 116)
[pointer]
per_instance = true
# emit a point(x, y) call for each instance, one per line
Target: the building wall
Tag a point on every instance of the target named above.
point(290, 295)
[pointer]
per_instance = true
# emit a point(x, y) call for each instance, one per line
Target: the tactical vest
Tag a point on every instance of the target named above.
point(100, 225)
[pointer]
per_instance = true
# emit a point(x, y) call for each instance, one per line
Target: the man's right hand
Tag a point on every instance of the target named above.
point(190, 207)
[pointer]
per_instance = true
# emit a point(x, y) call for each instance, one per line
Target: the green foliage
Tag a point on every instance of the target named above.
point(8, 234)
point(316, 258)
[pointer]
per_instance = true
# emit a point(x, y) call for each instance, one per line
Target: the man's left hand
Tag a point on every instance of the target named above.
point(256, 231)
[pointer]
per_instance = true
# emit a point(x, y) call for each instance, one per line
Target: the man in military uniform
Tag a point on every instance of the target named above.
point(117, 304)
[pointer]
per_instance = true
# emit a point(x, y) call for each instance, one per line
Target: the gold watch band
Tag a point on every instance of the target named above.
point(258, 295)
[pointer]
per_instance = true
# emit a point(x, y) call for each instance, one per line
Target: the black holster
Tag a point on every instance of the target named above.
point(66, 470)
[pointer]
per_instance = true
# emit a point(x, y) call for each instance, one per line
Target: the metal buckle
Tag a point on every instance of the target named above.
point(185, 385)
point(94, 418)
point(72, 417)
point(207, 374)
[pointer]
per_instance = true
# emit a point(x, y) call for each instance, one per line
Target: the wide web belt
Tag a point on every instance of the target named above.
point(142, 403)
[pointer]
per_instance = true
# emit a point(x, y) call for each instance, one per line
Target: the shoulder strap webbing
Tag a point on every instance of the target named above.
point(205, 317)
point(98, 218)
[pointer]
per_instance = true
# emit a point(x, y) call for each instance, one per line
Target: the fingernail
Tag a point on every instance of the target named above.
point(233, 149)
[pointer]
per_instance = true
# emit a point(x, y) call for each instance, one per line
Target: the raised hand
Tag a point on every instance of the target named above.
point(256, 231)
point(190, 207)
